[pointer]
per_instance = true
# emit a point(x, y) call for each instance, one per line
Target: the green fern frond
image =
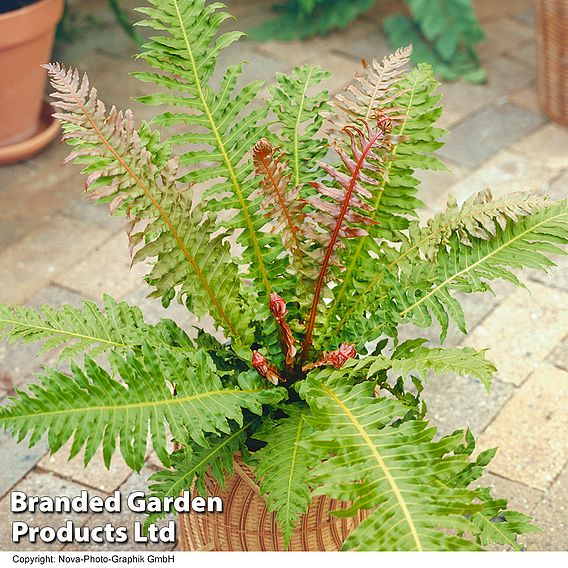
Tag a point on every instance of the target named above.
point(427, 289)
point(282, 467)
point(219, 127)
point(96, 409)
point(492, 523)
point(391, 469)
point(133, 170)
point(89, 329)
point(189, 466)
point(412, 357)
point(78, 330)
point(300, 117)
point(478, 217)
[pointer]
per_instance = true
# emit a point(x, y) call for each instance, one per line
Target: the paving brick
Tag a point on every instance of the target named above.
point(526, 98)
point(507, 172)
point(520, 497)
point(558, 188)
point(55, 297)
point(462, 402)
point(359, 40)
point(94, 213)
point(342, 71)
point(40, 483)
point(489, 10)
point(10, 232)
point(507, 75)
point(461, 99)
point(559, 355)
point(259, 66)
point(106, 270)
point(374, 45)
point(95, 475)
point(526, 16)
point(551, 516)
point(530, 430)
point(18, 361)
point(526, 55)
point(547, 145)
point(434, 185)
point(557, 277)
point(30, 264)
point(17, 460)
point(522, 331)
point(125, 518)
point(502, 35)
point(34, 200)
point(492, 129)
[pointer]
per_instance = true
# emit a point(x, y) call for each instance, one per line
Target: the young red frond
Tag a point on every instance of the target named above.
point(340, 211)
point(281, 200)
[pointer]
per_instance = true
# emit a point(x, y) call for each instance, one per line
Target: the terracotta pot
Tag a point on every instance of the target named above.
point(26, 41)
point(246, 525)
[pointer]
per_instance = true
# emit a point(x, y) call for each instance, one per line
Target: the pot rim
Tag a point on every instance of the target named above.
point(25, 24)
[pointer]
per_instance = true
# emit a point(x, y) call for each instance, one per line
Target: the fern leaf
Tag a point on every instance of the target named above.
point(281, 201)
point(339, 214)
point(220, 128)
point(282, 468)
point(306, 18)
point(82, 330)
point(96, 409)
point(388, 468)
point(526, 244)
point(492, 523)
point(188, 466)
point(478, 217)
point(372, 90)
point(413, 357)
point(411, 104)
point(132, 170)
point(300, 115)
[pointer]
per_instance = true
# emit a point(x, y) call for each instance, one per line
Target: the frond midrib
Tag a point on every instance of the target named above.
point(355, 258)
point(125, 407)
point(226, 159)
point(56, 331)
point(480, 261)
point(382, 465)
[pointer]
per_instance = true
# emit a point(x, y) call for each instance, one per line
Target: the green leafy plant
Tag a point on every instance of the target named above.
point(306, 18)
point(444, 33)
point(312, 387)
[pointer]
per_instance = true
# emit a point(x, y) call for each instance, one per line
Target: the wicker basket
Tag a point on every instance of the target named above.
point(246, 525)
point(552, 44)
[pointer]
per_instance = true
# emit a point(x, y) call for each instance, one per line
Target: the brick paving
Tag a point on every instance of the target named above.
point(56, 248)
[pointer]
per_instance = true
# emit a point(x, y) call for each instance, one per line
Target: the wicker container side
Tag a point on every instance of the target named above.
point(552, 44)
point(246, 525)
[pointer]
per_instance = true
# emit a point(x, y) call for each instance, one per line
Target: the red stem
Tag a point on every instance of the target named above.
point(331, 246)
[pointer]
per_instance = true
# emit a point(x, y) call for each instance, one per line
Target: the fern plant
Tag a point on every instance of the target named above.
point(311, 386)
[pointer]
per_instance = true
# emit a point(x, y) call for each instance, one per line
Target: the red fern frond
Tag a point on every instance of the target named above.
point(340, 210)
point(281, 200)
point(374, 86)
